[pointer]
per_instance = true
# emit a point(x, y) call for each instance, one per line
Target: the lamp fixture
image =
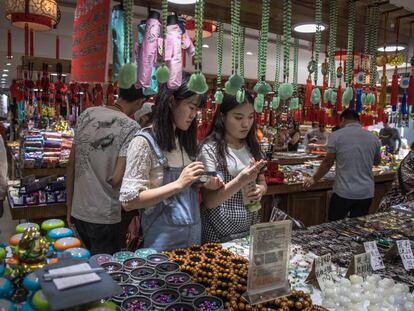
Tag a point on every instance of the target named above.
point(206, 46)
point(391, 48)
point(182, 1)
point(6, 70)
point(4, 75)
point(8, 64)
point(249, 53)
point(308, 27)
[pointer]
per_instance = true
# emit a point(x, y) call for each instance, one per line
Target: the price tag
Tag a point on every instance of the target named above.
point(360, 265)
point(376, 259)
point(406, 254)
point(323, 269)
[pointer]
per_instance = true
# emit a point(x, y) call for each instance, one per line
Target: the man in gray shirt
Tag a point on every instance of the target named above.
point(96, 168)
point(355, 151)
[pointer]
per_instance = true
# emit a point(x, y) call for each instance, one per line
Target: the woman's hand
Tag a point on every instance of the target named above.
point(213, 183)
point(190, 174)
point(257, 194)
point(251, 172)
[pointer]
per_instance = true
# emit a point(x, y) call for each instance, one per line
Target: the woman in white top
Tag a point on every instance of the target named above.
point(233, 151)
point(160, 174)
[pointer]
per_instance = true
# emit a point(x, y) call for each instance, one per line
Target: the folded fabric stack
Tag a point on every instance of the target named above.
point(33, 149)
point(46, 149)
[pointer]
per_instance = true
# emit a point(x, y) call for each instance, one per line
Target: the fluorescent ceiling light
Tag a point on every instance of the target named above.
point(6, 70)
point(249, 53)
point(182, 1)
point(308, 28)
point(391, 48)
point(4, 75)
point(55, 74)
point(206, 46)
point(8, 64)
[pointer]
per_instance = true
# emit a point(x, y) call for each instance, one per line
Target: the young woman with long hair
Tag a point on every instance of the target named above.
point(161, 172)
point(233, 151)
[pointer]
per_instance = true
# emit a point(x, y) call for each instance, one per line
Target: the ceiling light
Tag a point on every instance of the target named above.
point(55, 74)
point(4, 75)
point(206, 46)
point(391, 48)
point(182, 1)
point(8, 64)
point(249, 53)
point(308, 27)
point(6, 70)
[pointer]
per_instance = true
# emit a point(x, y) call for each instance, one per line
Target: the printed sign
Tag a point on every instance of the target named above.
point(406, 254)
point(376, 259)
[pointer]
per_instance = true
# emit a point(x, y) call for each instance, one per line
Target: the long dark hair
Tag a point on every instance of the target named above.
point(163, 126)
point(218, 130)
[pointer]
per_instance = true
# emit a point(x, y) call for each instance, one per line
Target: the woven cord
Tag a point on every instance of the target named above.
point(350, 47)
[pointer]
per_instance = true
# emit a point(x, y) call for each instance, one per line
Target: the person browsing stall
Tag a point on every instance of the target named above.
point(355, 151)
point(232, 150)
point(97, 164)
point(161, 172)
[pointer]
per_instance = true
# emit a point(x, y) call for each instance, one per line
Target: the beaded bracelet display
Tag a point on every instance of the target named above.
point(374, 43)
point(287, 28)
point(128, 11)
point(277, 67)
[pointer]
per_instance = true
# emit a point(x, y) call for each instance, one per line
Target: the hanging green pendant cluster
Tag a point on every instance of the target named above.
point(276, 98)
point(294, 102)
point(285, 90)
point(373, 45)
point(197, 82)
point(163, 73)
point(235, 81)
point(350, 46)
point(349, 92)
point(218, 96)
point(128, 9)
point(316, 93)
point(333, 21)
point(262, 87)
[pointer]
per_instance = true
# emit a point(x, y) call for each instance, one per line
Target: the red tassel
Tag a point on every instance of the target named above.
point(98, 94)
point(308, 92)
point(26, 39)
point(9, 44)
point(110, 95)
point(410, 99)
point(57, 47)
point(31, 42)
point(394, 89)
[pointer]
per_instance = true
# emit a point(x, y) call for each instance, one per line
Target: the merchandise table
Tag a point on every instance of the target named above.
point(289, 158)
point(311, 207)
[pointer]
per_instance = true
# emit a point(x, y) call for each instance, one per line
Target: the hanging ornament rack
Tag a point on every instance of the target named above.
point(197, 82)
point(163, 73)
point(128, 11)
point(262, 87)
point(218, 96)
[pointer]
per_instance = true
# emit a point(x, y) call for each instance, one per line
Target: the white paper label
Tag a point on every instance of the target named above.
point(406, 254)
point(323, 269)
point(376, 259)
point(362, 263)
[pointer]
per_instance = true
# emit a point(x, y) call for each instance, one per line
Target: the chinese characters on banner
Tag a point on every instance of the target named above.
point(90, 41)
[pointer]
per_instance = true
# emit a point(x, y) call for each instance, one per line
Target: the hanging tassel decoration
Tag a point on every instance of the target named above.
point(410, 99)
point(394, 89)
point(198, 83)
point(404, 109)
point(316, 96)
point(31, 42)
point(358, 104)
point(57, 47)
point(9, 44)
point(163, 73)
point(308, 92)
point(218, 96)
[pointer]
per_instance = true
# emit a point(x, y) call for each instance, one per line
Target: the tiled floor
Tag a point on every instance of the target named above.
point(7, 225)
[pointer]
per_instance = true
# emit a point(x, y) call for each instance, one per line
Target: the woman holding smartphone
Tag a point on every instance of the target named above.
point(232, 149)
point(160, 173)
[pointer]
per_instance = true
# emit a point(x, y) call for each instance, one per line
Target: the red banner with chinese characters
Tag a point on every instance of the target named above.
point(90, 41)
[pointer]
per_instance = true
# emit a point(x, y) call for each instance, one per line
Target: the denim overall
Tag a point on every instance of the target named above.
point(174, 222)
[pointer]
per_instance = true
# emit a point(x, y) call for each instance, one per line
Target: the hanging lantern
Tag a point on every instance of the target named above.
point(37, 15)
point(209, 27)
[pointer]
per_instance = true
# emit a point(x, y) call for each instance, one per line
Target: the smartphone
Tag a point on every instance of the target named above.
point(204, 177)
